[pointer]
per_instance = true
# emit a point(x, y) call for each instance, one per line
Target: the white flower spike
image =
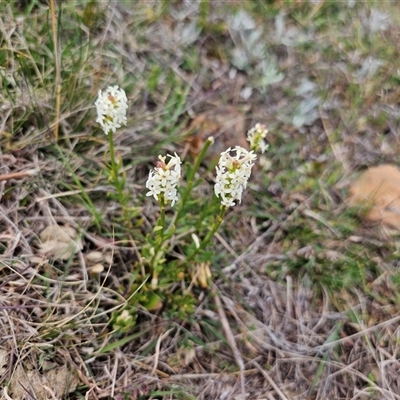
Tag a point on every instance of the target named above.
point(256, 138)
point(233, 172)
point(111, 106)
point(164, 178)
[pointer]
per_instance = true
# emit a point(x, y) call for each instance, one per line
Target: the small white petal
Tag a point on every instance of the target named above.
point(233, 173)
point(111, 106)
point(164, 179)
point(256, 137)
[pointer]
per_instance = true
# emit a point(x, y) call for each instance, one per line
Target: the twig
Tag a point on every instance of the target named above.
point(159, 373)
point(157, 353)
point(21, 237)
point(57, 66)
point(5, 390)
point(289, 296)
point(69, 193)
point(319, 218)
point(114, 376)
point(50, 391)
point(18, 175)
point(326, 346)
point(219, 375)
point(270, 380)
point(230, 337)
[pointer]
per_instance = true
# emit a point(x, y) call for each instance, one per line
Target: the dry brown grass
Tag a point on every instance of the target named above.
point(304, 303)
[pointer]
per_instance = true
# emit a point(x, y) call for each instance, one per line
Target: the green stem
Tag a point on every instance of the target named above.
point(217, 223)
point(190, 181)
point(118, 183)
point(114, 167)
point(162, 217)
point(158, 249)
point(162, 231)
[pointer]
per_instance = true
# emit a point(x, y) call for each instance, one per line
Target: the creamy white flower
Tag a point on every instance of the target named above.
point(164, 178)
point(111, 106)
point(233, 172)
point(124, 317)
point(256, 136)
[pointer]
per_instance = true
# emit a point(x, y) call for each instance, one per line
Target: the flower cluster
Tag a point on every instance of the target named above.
point(164, 178)
point(256, 138)
point(233, 173)
point(111, 106)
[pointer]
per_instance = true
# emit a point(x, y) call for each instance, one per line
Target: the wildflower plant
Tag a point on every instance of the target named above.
point(111, 106)
point(233, 172)
point(256, 136)
point(194, 220)
point(123, 321)
point(174, 255)
point(162, 184)
point(164, 179)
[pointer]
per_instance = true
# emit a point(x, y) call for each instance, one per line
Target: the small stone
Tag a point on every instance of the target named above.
point(59, 242)
point(95, 257)
point(96, 269)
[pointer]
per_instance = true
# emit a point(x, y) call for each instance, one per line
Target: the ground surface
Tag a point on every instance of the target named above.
point(304, 300)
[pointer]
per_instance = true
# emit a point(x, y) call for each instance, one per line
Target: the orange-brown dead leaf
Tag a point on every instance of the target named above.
point(378, 189)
